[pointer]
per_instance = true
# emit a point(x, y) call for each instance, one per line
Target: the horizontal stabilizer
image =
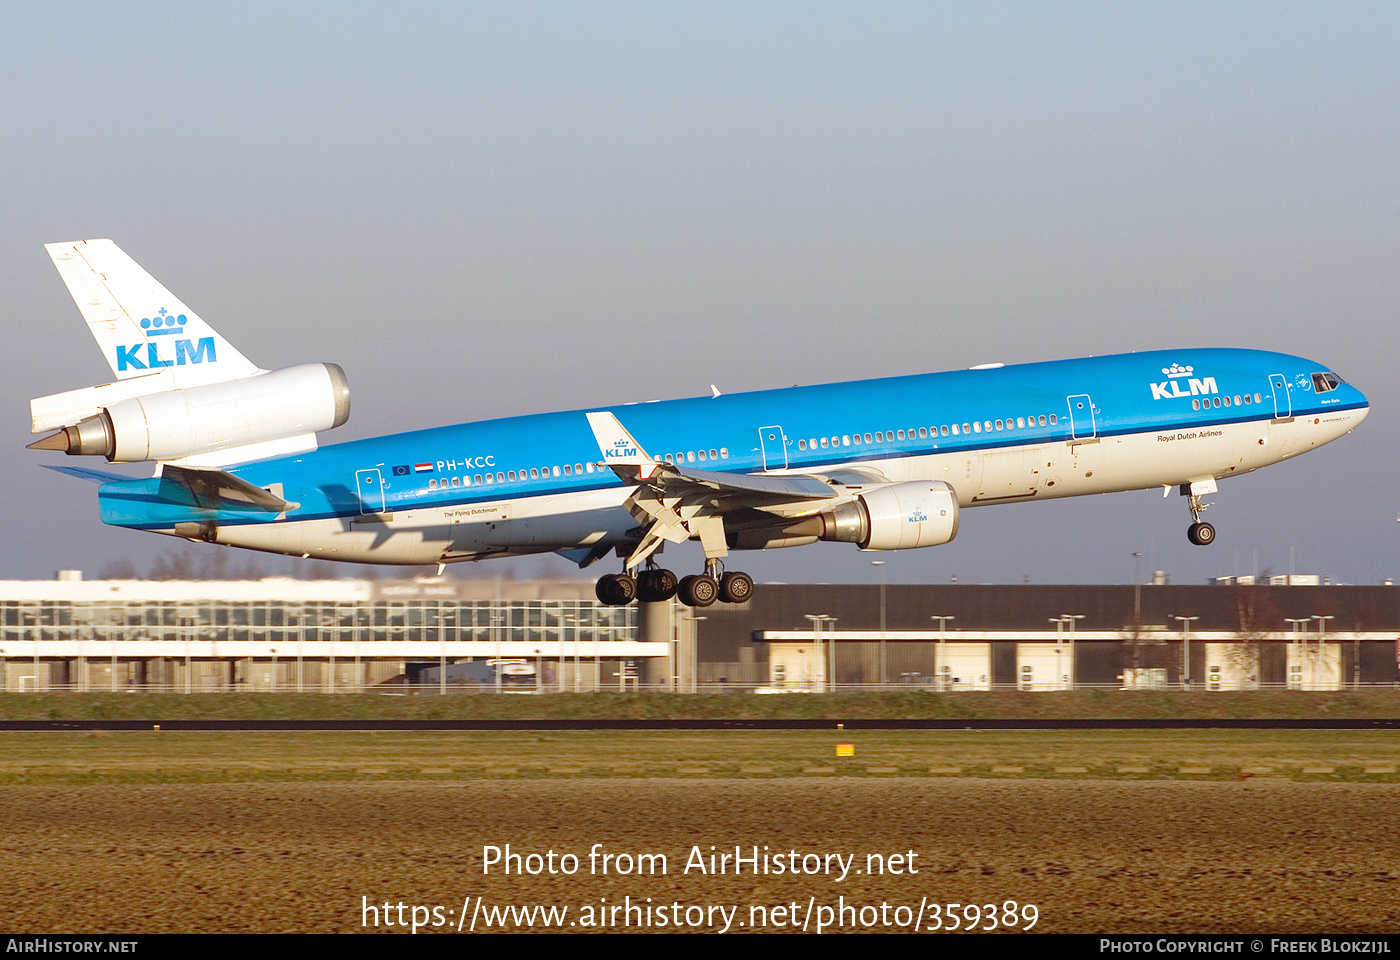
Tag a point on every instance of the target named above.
point(89, 474)
point(216, 489)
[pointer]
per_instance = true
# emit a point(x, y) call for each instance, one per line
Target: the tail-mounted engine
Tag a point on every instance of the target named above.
point(174, 424)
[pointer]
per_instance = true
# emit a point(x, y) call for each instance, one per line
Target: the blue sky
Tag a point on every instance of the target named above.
point(483, 210)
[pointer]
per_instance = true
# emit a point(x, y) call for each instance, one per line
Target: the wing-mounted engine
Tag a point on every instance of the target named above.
point(285, 408)
point(900, 516)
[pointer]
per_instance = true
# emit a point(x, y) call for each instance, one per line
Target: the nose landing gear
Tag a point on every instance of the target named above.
point(1200, 533)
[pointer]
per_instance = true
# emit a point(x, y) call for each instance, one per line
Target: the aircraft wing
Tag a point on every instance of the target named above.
point(674, 502)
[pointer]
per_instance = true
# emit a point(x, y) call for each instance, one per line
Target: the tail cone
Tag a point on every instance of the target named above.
point(56, 441)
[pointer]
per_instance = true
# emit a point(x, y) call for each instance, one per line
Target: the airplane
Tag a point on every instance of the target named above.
point(885, 464)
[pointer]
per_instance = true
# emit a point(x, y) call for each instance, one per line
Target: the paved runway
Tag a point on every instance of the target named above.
point(1254, 856)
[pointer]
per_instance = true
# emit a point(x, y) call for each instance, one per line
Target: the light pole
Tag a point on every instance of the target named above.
point(693, 658)
point(1059, 623)
point(939, 656)
point(1068, 678)
point(1186, 640)
point(333, 623)
point(817, 621)
point(1321, 633)
point(1137, 591)
point(496, 640)
point(440, 622)
point(1299, 643)
point(881, 565)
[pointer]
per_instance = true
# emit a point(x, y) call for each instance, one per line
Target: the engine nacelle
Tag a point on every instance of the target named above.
point(906, 515)
point(285, 403)
point(901, 516)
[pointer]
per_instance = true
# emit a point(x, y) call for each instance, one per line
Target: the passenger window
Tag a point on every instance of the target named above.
point(1042, 419)
point(868, 438)
point(568, 471)
point(943, 430)
point(724, 453)
point(923, 432)
point(801, 445)
point(1021, 422)
point(701, 456)
point(900, 434)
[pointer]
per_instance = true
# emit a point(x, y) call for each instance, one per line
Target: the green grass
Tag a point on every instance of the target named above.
point(896, 705)
point(207, 757)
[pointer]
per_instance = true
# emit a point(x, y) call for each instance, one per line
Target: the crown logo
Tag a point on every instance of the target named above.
point(163, 325)
point(1177, 370)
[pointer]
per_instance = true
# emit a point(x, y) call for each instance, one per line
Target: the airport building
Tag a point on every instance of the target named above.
point(443, 634)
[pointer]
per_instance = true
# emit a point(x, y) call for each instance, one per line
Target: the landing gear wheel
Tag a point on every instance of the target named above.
point(1201, 534)
point(698, 591)
point(616, 589)
point(656, 585)
point(736, 587)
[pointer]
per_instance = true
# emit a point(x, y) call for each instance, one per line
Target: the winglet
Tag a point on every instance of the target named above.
point(620, 449)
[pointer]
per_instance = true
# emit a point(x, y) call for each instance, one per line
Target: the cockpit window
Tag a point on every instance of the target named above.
point(1325, 382)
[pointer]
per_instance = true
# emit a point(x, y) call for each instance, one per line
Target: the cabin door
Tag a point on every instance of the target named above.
point(773, 442)
point(370, 486)
point(1082, 425)
point(1283, 401)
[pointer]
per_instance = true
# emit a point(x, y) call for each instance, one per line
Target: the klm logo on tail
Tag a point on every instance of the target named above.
point(164, 325)
point(1171, 387)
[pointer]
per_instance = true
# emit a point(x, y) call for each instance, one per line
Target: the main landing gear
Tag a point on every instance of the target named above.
point(655, 585)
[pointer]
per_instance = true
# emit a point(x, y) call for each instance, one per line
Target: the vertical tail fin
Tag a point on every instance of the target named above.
point(140, 326)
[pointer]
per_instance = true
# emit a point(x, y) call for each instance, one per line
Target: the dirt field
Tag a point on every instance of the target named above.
point(1153, 856)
